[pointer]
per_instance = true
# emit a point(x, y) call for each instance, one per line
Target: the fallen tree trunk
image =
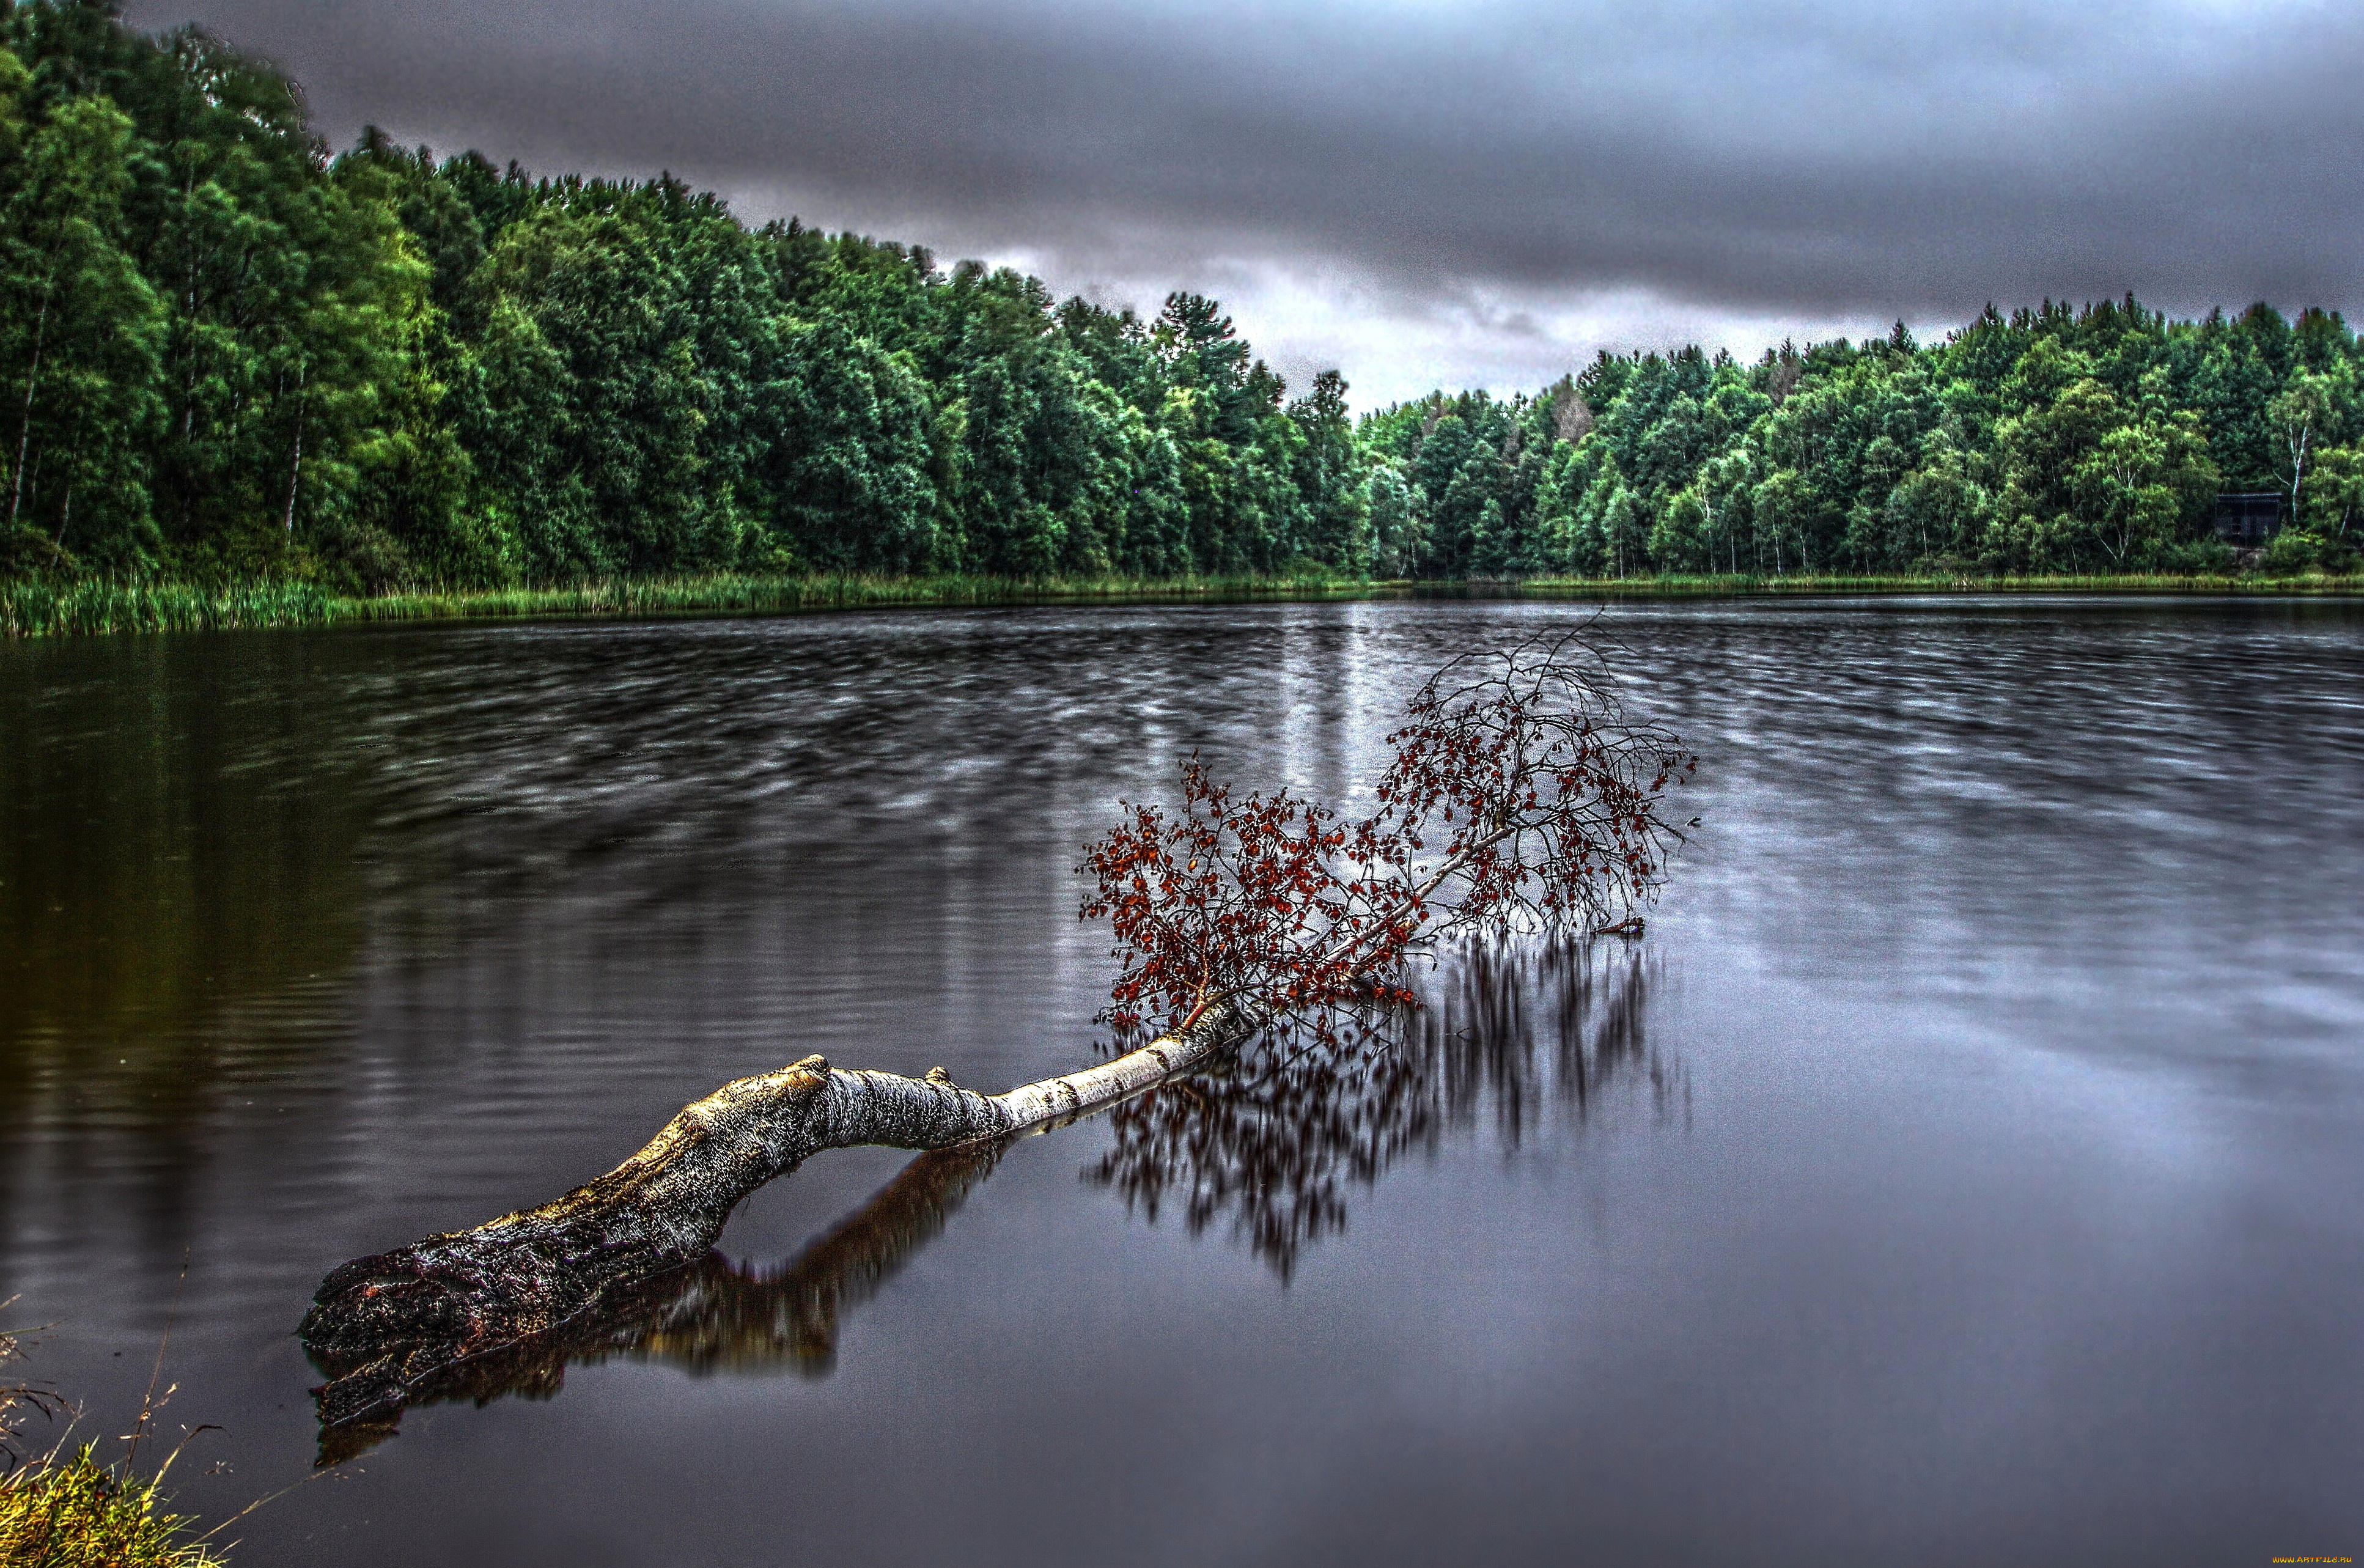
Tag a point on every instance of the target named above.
point(706, 1314)
point(1544, 798)
point(409, 1317)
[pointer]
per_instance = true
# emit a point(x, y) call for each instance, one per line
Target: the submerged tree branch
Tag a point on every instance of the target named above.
point(1542, 800)
point(412, 1314)
point(709, 1315)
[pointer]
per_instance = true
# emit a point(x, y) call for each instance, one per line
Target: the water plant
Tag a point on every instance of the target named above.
point(85, 607)
point(64, 1508)
point(82, 607)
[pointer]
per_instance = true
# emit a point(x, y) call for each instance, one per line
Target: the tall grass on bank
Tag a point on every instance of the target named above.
point(39, 609)
point(727, 594)
point(69, 1511)
point(1745, 585)
point(77, 1513)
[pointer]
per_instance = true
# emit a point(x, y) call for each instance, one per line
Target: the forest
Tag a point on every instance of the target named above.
point(229, 354)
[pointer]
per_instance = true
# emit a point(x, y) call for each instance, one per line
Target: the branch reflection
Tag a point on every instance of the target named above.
point(1511, 1039)
point(1276, 1142)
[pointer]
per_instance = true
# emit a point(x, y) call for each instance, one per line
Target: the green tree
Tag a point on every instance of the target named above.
point(1330, 476)
point(2334, 497)
point(80, 332)
point(849, 480)
point(2138, 483)
point(2300, 416)
point(1398, 523)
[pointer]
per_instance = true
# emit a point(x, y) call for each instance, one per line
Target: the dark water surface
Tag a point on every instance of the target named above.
point(1968, 1169)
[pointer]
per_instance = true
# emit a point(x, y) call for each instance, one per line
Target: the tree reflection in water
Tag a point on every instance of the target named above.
point(1276, 1142)
point(1513, 1038)
point(713, 1315)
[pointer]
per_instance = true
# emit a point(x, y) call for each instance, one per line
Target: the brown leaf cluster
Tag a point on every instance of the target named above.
point(1520, 798)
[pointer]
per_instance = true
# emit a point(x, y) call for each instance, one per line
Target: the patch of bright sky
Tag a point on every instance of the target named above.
point(1393, 339)
point(1306, 316)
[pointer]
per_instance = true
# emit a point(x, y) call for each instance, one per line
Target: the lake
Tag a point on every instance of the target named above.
point(1966, 1167)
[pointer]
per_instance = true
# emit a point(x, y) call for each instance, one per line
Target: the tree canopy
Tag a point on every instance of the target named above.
point(226, 353)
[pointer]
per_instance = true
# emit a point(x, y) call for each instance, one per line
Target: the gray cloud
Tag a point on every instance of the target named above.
point(1479, 165)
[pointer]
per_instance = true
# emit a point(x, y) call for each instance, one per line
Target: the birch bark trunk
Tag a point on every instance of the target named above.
point(24, 426)
point(418, 1312)
point(709, 1314)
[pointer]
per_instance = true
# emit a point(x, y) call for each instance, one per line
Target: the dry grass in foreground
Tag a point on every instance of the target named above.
point(65, 1509)
point(73, 1512)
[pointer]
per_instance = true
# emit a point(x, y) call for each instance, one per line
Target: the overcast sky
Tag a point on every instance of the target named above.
point(1438, 192)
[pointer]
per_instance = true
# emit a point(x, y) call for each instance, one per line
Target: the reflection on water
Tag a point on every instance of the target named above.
point(1277, 1138)
point(1981, 1185)
point(171, 887)
point(712, 1316)
point(182, 904)
point(1275, 1142)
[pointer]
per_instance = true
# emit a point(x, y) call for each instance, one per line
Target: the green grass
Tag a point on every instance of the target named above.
point(727, 594)
point(39, 609)
point(77, 1513)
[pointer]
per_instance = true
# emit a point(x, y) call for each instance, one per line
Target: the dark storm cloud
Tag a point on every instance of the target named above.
point(1817, 159)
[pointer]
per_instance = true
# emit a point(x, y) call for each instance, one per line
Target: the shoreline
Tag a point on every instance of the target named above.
point(33, 609)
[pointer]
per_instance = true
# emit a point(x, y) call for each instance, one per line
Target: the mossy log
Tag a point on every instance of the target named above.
point(405, 1319)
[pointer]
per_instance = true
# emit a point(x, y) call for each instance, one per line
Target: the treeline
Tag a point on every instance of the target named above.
point(2057, 440)
point(225, 355)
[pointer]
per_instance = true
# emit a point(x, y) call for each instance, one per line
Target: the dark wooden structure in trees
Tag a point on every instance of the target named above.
point(2246, 520)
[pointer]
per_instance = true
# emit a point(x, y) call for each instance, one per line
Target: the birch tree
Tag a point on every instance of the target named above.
point(2299, 414)
point(1522, 799)
point(79, 330)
